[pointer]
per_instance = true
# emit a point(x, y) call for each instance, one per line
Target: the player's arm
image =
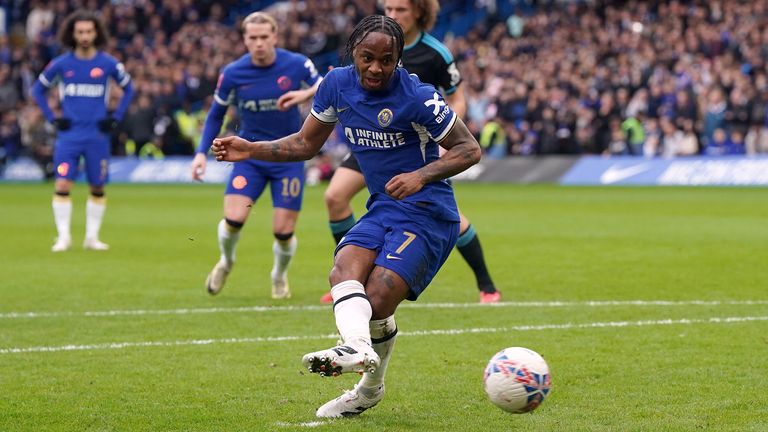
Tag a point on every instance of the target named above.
point(108, 124)
point(211, 128)
point(45, 80)
point(125, 101)
point(449, 79)
point(302, 145)
point(223, 97)
point(39, 93)
point(457, 101)
point(458, 104)
point(296, 97)
point(311, 80)
point(123, 79)
point(463, 151)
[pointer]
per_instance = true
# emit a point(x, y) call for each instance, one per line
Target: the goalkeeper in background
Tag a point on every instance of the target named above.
point(84, 124)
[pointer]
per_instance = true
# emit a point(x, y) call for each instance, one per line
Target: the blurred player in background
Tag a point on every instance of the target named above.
point(431, 61)
point(84, 125)
point(265, 85)
point(395, 125)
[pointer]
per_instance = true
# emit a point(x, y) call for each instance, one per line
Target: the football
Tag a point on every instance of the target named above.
point(517, 380)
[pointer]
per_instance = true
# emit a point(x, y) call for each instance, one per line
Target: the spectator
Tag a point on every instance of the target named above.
point(10, 137)
point(9, 92)
point(720, 145)
point(138, 125)
point(586, 62)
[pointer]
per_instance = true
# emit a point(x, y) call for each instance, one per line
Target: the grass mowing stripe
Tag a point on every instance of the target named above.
point(248, 309)
point(567, 326)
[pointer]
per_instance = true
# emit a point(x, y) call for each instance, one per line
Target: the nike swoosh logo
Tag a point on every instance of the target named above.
point(392, 257)
point(616, 174)
point(342, 109)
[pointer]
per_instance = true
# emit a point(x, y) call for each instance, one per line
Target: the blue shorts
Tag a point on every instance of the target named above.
point(410, 242)
point(286, 181)
point(66, 160)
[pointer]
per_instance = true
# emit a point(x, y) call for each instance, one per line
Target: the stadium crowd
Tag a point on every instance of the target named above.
point(659, 78)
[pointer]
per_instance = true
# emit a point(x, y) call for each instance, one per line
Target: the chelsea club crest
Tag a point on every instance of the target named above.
point(385, 117)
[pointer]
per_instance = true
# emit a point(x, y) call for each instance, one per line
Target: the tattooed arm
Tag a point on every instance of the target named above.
point(463, 151)
point(300, 146)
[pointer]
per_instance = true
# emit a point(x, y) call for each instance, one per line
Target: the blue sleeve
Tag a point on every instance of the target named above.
point(45, 80)
point(49, 75)
point(323, 105)
point(311, 76)
point(38, 92)
point(433, 113)
point(212, 126)
point(123, 79)
point(225, 88)
point(125, 101)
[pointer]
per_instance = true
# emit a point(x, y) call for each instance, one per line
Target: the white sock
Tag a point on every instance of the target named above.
point(62, 215)
point(383, 335)
point(283, 252)
point(94, 214)
point(228, 237)
point(353, 312)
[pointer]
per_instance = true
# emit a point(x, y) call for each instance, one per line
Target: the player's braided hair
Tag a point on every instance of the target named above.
point(377, 24)
point(66, 36)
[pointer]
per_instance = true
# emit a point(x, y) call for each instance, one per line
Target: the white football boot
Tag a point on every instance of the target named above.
point(94, 244)
point(280, 288)
point(335, 361)
point(62, 244)
point(216, 278)
point(350, 404)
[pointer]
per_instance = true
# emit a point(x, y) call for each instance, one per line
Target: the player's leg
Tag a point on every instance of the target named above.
point(65, 159)
point(94, 215)
point(346, 182)
point(352, 266)
point(236, 210)
point(283, 248)
point(97, 173)
point(385, 290)
point(470, 248)
point(287, 187)
point(62, 214)
point(244, 187)
point(353, 263)
point(410, 255)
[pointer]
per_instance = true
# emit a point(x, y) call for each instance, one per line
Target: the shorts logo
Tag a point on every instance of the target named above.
point(239, 182)
point(385, 117)
point(63, 169)
point(284, 82)
point(393, 257)
point(97, 72)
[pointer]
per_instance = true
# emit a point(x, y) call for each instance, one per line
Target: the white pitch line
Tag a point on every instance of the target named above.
point(299, 308)
point(311, 424)
point(438, 332)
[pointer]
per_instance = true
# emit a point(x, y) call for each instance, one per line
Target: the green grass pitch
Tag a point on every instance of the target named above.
point(649, 304)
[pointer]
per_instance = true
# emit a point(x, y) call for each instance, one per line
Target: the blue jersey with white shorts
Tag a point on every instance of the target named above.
point(392, 132)
point(83, 86)
point(254, 90)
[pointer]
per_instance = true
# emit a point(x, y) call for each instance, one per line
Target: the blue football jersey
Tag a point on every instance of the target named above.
point(84, 90)
point(254, 90)
point(391, 132)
